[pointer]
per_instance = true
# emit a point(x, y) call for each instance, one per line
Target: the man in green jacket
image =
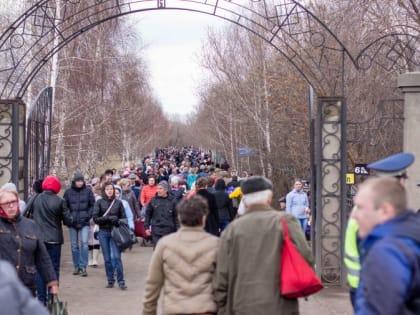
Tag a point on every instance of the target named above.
point(247, 273)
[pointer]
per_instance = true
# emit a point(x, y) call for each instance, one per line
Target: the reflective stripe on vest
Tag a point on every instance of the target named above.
point(351, 254)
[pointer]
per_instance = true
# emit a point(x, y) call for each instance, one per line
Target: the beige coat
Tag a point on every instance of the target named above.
point(183, 264)
point(247, 275)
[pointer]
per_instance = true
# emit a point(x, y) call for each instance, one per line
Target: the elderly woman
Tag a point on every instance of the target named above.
point(183, 264)
point(20, 244)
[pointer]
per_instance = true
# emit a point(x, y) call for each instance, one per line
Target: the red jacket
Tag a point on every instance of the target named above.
point(147, 193)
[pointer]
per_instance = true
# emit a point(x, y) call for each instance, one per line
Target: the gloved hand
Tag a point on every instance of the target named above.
point(114, 220)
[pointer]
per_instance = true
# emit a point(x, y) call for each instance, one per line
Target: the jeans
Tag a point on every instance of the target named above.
point(54, 250)
point(112, 257)
point(303, 223)
point(80, 253)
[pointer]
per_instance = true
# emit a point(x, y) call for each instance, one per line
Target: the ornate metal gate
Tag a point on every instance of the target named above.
point(287, 25)
point(12, 135)
point(38, 138)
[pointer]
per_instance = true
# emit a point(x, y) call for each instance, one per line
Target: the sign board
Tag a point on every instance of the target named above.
point(245, 152)
point(350, 178)
point(361, 169)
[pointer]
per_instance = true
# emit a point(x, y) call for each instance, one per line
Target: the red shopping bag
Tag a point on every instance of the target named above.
point(139, 229)
point(297, 279)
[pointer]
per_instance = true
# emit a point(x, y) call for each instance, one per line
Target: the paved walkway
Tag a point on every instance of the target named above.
point(88, 296)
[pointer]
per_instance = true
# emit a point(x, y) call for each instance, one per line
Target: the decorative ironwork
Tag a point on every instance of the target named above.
point(287, 25)
point(12, 126)
point(392, 52)
point(389, 115)
point(330, 189)
point(38, 138)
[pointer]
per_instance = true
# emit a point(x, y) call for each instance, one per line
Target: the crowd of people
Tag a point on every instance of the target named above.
point(211, 253)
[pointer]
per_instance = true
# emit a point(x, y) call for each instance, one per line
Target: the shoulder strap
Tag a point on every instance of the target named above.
point(285, 228)
point(29, 210)
point(109, 208)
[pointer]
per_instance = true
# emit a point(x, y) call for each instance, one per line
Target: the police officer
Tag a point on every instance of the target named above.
point(394, 165)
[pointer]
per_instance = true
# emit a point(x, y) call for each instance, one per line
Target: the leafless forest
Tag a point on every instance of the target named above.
point(251, 96)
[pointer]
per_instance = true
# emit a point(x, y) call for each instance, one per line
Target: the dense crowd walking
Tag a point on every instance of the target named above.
point(217, 241)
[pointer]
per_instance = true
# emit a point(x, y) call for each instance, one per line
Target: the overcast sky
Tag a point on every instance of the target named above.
point(173, 40)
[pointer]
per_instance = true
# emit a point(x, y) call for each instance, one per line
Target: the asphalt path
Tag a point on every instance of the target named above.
point(88, 295)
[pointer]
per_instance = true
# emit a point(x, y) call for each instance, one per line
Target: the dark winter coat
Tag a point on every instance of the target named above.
point(15, 299)
point(212, 221)
point(107, 222)
point(130, 197)
point(50, 211)
point(20, 244)
point(177, 194)
point(80, 201)
point(223, 202)
point(161, 215)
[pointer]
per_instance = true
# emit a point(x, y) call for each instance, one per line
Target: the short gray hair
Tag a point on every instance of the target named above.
point(174, 180)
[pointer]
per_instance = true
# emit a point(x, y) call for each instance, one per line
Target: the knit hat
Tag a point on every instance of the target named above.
point(256, 183)
point(164, 184)
point(115, 177)
point(78, 176)
point(132, 176)
point(51, 183)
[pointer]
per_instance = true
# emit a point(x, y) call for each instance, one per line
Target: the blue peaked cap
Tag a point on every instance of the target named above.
point(393, 164)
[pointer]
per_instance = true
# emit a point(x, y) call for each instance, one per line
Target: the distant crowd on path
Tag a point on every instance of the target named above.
point(211, 256)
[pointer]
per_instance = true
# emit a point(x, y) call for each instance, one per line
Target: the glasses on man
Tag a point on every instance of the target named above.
point(11, 203)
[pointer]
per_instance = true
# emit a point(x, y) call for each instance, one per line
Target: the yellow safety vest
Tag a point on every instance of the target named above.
point(351, 254)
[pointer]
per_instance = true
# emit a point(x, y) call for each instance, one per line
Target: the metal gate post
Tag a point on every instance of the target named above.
point(12, 142)
point(330, 189)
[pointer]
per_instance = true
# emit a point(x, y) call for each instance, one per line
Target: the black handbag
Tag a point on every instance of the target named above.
point(122, 235)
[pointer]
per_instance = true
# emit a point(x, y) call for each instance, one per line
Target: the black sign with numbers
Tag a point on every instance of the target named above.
point(361, 169)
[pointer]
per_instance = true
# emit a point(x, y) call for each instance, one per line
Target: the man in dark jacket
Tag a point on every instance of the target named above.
point(161, 214)
point(80, 200)
point(212, 220)
point(50, 211)
point(224, 204)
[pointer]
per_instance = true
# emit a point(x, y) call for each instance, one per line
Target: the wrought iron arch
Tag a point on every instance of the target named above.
point(287, 25)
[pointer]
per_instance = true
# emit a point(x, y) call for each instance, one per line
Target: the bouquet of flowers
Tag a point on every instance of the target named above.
point(236, 195)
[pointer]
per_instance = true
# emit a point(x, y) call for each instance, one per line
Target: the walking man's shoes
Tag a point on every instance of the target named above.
point(76, 271)
point(123, 287)
point(83, 272)
point(110, 285)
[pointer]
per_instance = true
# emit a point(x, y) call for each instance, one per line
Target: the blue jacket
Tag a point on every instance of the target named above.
point(390, 275)
point(296, 202)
